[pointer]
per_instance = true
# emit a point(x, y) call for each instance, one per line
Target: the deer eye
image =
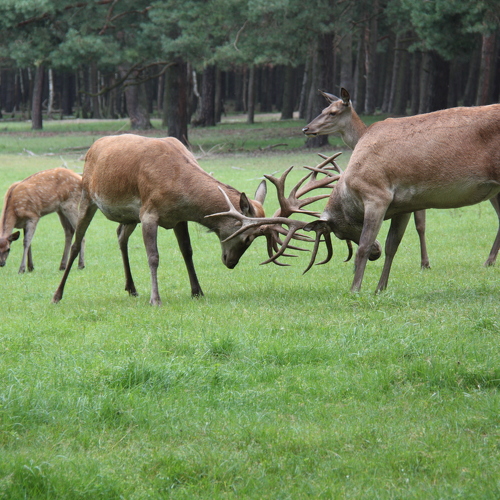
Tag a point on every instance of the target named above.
point(333, 113)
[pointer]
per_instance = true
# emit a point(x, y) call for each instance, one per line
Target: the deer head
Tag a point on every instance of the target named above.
point(5, 247)
point(234, 248)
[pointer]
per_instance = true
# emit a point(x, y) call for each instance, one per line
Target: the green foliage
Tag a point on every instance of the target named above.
point(445, 26)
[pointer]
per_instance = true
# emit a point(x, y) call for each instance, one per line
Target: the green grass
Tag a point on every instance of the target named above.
point(274, 385)
point(233, 135)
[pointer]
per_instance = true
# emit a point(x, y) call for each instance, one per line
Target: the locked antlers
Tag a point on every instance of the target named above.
point(272, 227)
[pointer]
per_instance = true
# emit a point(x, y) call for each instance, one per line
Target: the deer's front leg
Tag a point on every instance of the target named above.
point(29, 231)
point(150, 236)
point(123, 232)
point(182, 234)
point(396, 232)
point(367, 244)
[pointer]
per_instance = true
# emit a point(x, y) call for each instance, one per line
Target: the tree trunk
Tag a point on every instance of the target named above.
point(175, 115)
point(470, 92)
point(36, 111)
point(134, 97)
point(346, 74)
point(371, 35)
point(287, 105)
point(50, 104)
point(322, 78)
point(251, 95)
point(399, 88)
point(439, 82)
point(415, 82)
point(304, 90)
point(94, 89)
point(218, 104)
point(484, 90)
point(359, 81)
point(207, 115)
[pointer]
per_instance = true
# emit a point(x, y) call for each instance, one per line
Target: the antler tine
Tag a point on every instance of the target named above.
point(293, 203)
point(294, 226)
point(330, 159)
point(321, 228)
point(249, 222)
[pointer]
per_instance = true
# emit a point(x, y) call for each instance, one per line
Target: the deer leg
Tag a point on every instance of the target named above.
point(68, 235)
point(396, 232)
point(87, 212)
point(490, 261)
point(182, 233)
point(31, 266)
point(69, 221)
point(150, 236)
point(123, 232)
point(29, 231)
point(371, 227)
point(420, 227)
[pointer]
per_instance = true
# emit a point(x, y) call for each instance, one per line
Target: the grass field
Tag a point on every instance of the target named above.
point(274, 385)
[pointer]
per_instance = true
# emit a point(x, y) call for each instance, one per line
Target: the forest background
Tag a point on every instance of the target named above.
point(188, 62)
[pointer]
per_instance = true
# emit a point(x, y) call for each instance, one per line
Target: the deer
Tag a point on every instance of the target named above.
point(54, 190)
point(340, 117)
point(157, 182)
point(445, 159)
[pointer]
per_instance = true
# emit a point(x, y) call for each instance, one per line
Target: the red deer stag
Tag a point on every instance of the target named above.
point(444, 159)
point(56, 190)
point(340, 117)
point(157, 182)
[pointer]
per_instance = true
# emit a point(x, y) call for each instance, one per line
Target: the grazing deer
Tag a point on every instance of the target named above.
point(56, 190)
point(157, 182)
point(445, 159)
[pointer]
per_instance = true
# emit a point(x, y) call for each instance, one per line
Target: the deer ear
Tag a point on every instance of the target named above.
point(345, 96)
point(245, 206)
point(329, 97)
point(260, 194)
point(14, 236)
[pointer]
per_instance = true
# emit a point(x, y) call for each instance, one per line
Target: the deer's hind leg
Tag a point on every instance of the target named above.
point(86, 214)
point(123, 232)
point(69, 220)
point(490, 261)
point(396, 232)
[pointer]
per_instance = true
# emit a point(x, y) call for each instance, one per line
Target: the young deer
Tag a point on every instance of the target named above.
point(56, 190)
point(157, 182)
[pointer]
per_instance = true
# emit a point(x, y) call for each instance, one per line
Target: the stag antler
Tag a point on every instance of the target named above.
point(292, 203)
point(273, 226)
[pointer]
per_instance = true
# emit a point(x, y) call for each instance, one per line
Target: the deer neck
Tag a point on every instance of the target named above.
point(355, 129)
point(8, 217)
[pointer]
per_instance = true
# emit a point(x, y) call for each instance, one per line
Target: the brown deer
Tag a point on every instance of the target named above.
point(157, 182)
point(444, 159)
point(55, 190)
point(340, 117)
